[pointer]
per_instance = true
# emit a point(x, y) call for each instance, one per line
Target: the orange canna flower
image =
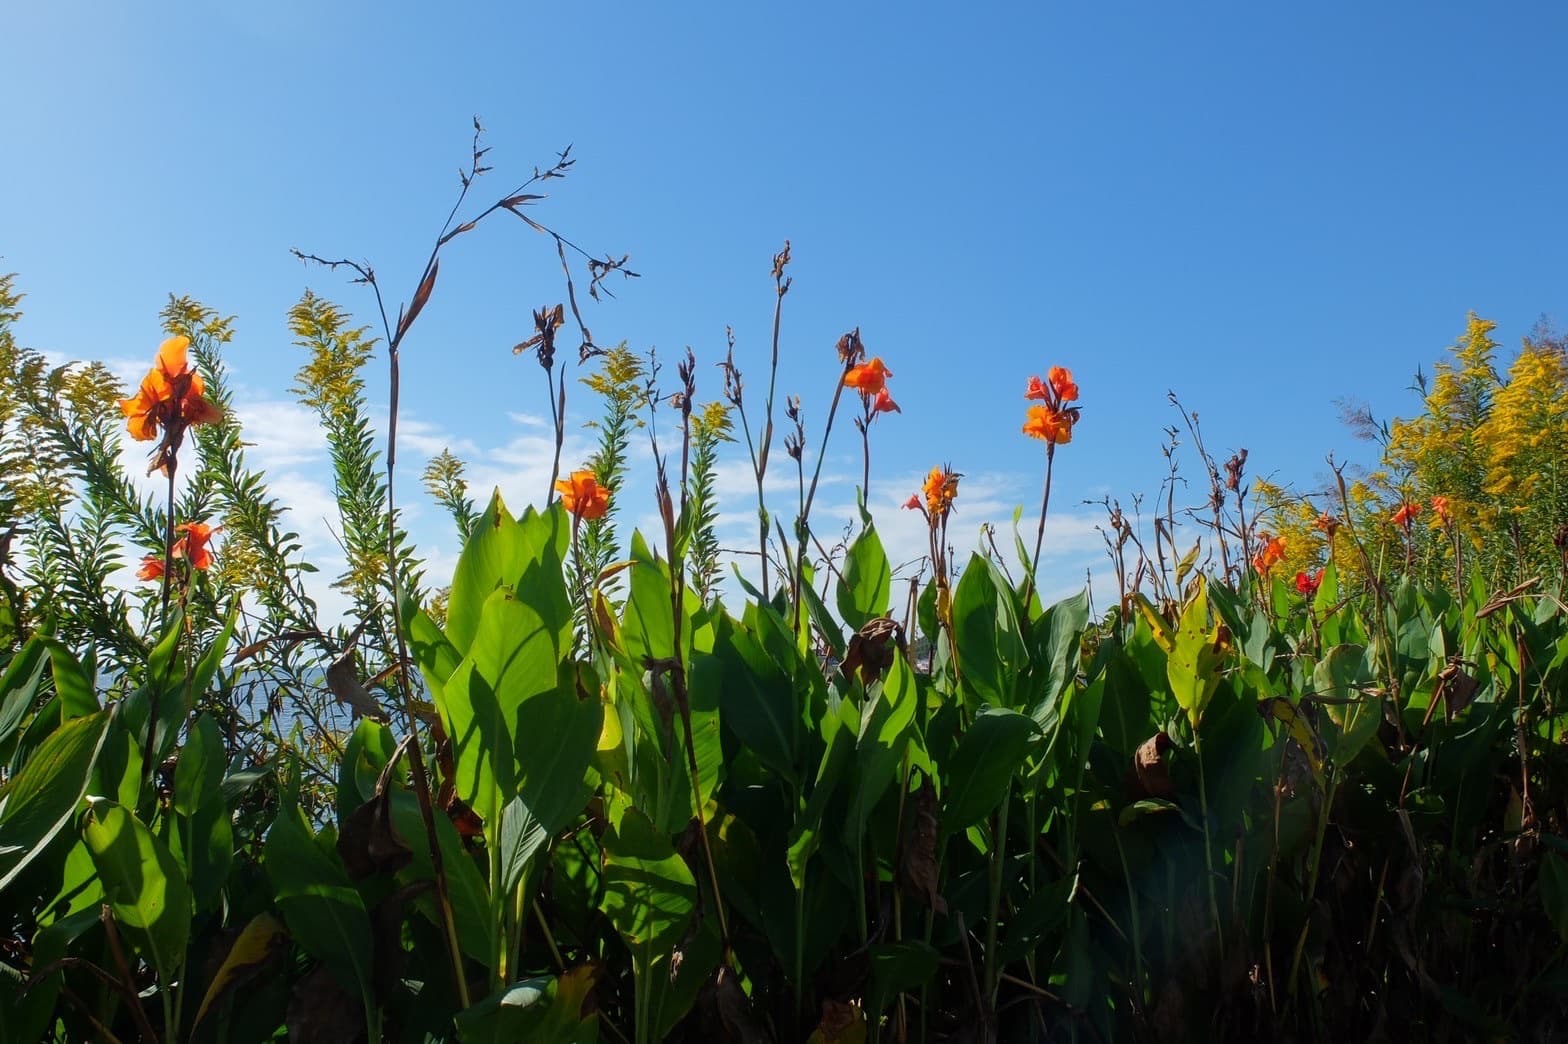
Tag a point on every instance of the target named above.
point(1406, 514)
point(869, 377)
point(1050, 424)
point(191, 545)
point(1440, 509)
point(583, 496)
point(171, 393)
point(1271, 554)
point(1057, 389)
point(1327, 524)
point(940, 489)
point(883, 403)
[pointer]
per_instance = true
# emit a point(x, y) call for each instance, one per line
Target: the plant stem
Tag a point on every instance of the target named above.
point(1208, 844)
point(1039, 537)
point(993, 964)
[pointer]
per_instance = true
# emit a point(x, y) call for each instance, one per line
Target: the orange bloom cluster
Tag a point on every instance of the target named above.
point(170, 399)
point(1406, 514)
point(937, 494)
point(1053, 422)
point(870, 380)
point(190, 546)
point(583, 496)
point(1272, 552)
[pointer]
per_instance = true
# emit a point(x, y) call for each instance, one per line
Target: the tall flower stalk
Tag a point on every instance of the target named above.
point(1052, 423)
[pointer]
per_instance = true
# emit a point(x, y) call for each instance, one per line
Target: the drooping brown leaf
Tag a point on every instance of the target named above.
point(321, 1012)
point(422, 295)
point(841, 1024)
point(292, 638)
point(1150, 775)
point(872, 648)
point(369, 844)
point(726, 1007)
point(343, 683)
point(386, 922)
point(917, 863)
point(1455, 688)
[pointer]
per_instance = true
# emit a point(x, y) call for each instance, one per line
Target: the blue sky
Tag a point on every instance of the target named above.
point(1262, 207)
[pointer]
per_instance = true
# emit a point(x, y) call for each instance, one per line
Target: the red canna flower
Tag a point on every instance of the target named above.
point(583, 496)
point(913, 503)
point(152, 568)
point(883, 403)
point(1307, 583)
point(1061, 379)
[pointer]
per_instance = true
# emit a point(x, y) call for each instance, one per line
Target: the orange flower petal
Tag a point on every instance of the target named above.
point(172, 360)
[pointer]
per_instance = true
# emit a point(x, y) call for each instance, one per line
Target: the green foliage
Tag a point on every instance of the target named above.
point(618, 807)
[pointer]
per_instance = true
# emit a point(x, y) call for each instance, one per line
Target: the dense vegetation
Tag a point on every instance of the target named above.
point(1304, 779)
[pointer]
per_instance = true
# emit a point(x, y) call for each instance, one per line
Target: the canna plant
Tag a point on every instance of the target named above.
point(595, 794)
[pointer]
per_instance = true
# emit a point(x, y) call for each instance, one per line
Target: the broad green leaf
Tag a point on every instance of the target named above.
point(465, 883)
point(522, 838)
point(71, 681)
point(207, 667)
point(829, 628)
point(142, 882)
point(1345, 676)
point(494, 556)
point(552, 726)
point(838, 733)
point(323, 910)
point(436, 656)
point(901, 967)
point(483, 773)
point(990, 753)
point(198, 774)
point(541, 1010)
point(19, 685)
point(1194, 662)
point(991, 652)
point(40, 799)
point(758, 700)
point(885, 722)
point(26, 1014)
point(865, 582)
point(370, 746)
point(1056, 637)
point(649, 894)
point(203, 845)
